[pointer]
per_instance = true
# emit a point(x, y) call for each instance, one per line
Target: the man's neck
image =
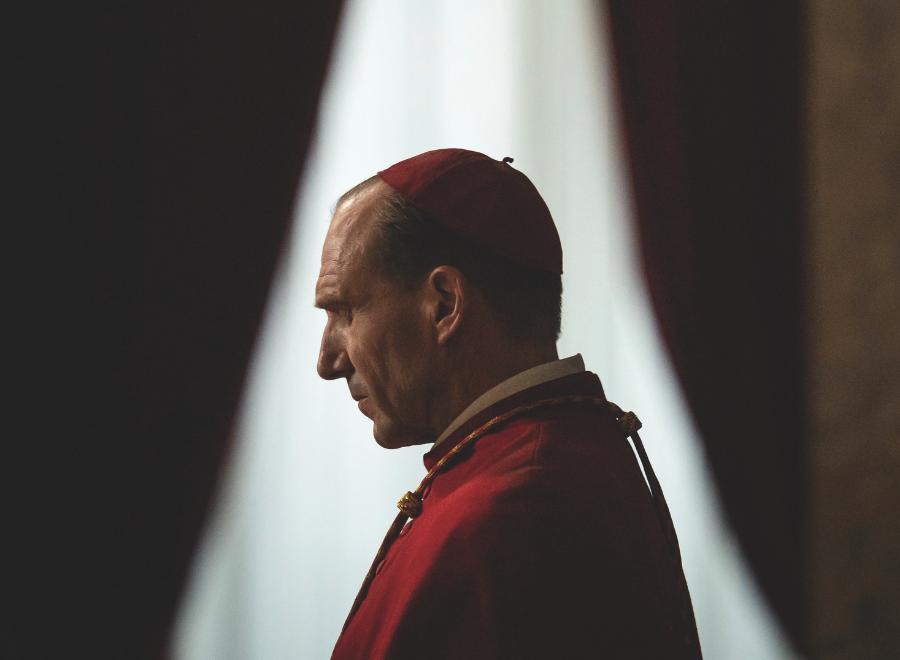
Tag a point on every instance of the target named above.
point(519, 382)
point(471, 378)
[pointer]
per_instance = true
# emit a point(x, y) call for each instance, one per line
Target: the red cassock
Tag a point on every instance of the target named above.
point(539, 540)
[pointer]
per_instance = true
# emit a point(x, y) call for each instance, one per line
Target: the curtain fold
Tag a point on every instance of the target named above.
point(711, 100)
point(170, 150)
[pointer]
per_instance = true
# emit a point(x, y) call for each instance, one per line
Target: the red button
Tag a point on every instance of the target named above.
point(379, 567)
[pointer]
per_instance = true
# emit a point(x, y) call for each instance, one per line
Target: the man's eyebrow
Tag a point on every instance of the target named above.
point(328, 301)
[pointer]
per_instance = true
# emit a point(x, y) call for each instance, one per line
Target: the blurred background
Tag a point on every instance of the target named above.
point(725, 178)
point(310, 494)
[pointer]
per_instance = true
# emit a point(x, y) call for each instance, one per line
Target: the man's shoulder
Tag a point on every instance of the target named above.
point(572, 437)
point(535, 461)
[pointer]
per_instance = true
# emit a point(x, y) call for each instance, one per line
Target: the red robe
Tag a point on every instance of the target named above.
point(540, 540)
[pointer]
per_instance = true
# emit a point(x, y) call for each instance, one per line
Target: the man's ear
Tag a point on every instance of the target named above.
point(448, 291)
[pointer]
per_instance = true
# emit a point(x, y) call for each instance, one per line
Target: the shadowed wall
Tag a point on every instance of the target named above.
point(854, 316)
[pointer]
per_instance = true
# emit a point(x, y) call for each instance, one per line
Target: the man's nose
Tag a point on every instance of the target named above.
point(333, 361)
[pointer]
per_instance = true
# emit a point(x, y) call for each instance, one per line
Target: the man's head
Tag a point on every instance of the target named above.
point(423, 317)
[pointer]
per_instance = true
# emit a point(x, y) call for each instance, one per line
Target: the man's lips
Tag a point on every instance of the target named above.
point(362, 404)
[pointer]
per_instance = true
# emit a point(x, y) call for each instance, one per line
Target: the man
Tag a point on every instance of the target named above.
point(534, 534)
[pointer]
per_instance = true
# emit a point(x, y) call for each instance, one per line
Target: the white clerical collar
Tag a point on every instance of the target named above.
point(523, 380)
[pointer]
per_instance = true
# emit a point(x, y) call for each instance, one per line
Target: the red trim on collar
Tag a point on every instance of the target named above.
point(585, 382)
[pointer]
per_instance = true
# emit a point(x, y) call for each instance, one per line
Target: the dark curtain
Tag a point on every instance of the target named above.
point(163, 159)
point(711, 103)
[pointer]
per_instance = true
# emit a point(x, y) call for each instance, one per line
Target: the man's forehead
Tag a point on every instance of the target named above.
point(341, 246)
point(345, 238)
point(334, 263)
point(355, 213)
point(330, 284)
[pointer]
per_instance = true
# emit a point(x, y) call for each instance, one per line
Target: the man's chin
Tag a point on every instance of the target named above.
point(390, 436)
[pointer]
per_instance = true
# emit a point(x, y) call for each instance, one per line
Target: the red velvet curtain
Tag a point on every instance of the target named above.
point(165, 164)
point(711, 99)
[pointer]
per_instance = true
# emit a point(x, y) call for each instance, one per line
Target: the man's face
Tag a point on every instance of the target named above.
point(376, 335)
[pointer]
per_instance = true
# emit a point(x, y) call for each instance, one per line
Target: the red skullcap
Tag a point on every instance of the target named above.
point(483, 200)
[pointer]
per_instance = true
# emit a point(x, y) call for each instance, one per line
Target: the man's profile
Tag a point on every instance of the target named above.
point(533, 534)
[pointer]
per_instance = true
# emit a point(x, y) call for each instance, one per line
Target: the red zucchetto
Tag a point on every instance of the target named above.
point(483, 200)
